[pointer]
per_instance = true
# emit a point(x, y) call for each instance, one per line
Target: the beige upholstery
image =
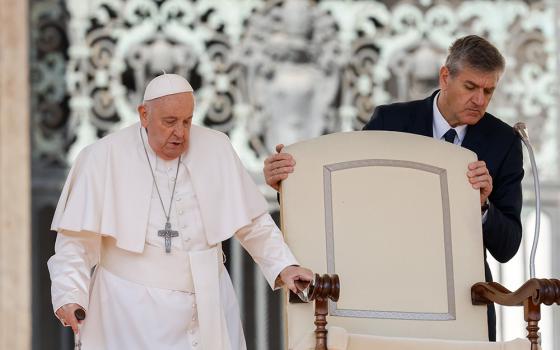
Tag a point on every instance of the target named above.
point(395, 217)
point(339, 339)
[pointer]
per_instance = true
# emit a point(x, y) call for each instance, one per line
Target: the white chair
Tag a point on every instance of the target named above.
point(394, 217)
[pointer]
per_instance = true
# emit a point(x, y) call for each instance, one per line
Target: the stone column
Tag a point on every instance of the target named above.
point(15, 246)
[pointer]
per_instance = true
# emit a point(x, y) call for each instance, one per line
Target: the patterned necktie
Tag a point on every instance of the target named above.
point(449, 136)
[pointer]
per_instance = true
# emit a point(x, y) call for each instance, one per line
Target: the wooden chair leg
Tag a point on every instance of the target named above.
point(321, 312)
point(532, 316)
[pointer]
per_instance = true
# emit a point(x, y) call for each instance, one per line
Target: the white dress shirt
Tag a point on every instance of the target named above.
point(441, 126)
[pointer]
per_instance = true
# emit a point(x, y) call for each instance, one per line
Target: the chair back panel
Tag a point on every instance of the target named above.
point(395, 217)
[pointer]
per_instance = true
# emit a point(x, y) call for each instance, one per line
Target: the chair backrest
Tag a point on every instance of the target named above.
point(394, 215)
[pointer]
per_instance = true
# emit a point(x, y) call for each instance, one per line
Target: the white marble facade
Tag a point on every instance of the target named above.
point(15, 230)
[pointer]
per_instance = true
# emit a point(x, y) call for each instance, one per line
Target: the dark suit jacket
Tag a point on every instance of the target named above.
point(493, 141)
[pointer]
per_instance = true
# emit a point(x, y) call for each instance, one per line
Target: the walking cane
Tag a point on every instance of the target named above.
point(80, 316)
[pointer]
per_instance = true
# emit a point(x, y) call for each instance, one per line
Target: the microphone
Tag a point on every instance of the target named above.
point(521, 129)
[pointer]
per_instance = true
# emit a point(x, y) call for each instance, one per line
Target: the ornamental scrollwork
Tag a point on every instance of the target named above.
point(276, 71)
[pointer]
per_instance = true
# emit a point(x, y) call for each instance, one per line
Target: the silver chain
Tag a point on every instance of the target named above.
point(155, 183)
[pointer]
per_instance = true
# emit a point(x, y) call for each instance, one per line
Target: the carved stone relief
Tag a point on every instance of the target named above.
point(49, 98)
point(276, 71)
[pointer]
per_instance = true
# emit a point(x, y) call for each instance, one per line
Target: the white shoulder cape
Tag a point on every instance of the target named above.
point(109, 186)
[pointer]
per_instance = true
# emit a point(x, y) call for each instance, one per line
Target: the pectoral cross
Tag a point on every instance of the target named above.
point(168, 233)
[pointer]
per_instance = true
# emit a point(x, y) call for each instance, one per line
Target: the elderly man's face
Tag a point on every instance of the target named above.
point(168, 123)
point(465, 96)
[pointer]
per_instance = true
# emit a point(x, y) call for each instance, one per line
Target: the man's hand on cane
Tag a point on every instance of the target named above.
point(67, 316)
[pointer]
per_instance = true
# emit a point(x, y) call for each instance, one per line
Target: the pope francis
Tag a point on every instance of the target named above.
point(149, 206)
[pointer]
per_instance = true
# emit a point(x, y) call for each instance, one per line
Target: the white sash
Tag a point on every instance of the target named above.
point(201, 275)
point(211, 319)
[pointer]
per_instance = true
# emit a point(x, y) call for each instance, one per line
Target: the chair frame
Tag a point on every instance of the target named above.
point(530, 295)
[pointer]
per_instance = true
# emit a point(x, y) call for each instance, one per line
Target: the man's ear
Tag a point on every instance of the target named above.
point(143, 114)
point(443, 77)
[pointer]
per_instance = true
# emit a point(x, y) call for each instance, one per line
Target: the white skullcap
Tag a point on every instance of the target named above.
point(166, 84)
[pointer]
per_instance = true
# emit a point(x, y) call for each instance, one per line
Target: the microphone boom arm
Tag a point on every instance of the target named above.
point(521, 129)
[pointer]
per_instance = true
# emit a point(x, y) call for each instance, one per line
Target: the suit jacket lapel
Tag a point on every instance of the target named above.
point(422, 123)
point(474, 138)
point(476, 134)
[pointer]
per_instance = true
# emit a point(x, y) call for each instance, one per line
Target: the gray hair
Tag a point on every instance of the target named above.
point(475, 52)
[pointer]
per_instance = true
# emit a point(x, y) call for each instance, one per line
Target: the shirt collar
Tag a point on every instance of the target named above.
point(440, 125)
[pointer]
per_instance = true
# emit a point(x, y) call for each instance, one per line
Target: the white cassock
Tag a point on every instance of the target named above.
point(138, 299)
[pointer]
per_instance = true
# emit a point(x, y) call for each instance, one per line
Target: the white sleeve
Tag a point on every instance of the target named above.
point(76, 253)
point(265, 243)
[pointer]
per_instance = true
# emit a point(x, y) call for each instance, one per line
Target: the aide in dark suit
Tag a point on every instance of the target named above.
point(457, 113)
point(497, 145)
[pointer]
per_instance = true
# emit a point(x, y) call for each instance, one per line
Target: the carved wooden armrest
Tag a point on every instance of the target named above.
point(531, 295)
point(321, 289)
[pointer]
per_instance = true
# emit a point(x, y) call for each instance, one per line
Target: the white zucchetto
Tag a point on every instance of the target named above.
point(166, 84)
